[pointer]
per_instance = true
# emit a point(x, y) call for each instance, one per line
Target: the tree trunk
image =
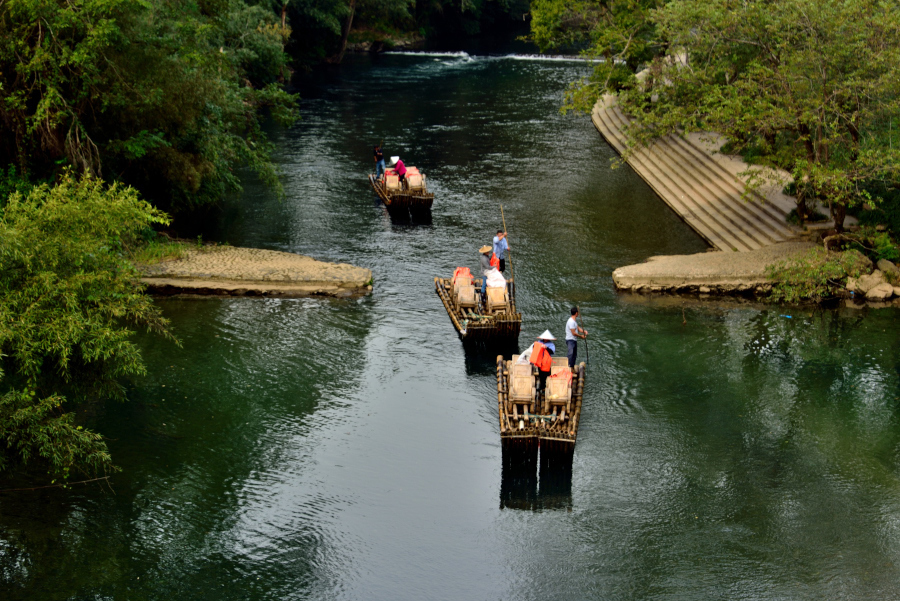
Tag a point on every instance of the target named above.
point(345, 34)
point(839, 211)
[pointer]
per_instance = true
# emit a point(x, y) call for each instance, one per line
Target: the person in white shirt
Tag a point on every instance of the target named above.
point(573, 333)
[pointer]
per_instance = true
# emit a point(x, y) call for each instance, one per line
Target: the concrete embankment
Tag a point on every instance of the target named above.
point(707, 189)
point(235, 271)
point(708, 272)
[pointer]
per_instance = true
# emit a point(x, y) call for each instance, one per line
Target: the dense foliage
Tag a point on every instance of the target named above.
point(808, 86)
point(619, 34)
point(68, 301)
point(163, 96)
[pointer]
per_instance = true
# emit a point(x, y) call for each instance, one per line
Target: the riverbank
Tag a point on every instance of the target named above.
point(236, 271)
point(707, 273)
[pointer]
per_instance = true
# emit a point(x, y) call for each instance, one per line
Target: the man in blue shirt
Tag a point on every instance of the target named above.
point(501, 245)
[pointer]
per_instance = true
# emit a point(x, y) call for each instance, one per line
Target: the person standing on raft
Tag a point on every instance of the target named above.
point(573, 333)
point(541, 356)
point(400, 168)
point(485, 268)
point(501, 245)
point(379, 162)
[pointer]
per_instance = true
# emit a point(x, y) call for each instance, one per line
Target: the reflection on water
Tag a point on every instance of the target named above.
point(318, 449)
point(536, 477)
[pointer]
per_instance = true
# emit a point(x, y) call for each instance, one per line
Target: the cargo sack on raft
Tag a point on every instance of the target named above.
point(461, 277)
point(495, 279)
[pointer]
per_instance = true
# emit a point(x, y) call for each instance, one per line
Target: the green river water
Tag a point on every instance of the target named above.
point(349, 449)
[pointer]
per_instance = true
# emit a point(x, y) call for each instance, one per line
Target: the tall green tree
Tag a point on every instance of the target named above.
point(164, 96)
point(69, 299)
point(809, 86)
point(620, 36)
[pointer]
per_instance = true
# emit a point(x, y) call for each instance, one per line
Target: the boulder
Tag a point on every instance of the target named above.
point(867, 282)
point(889, 268)
point(896, 290)
point(882, 291)
point(851, 284)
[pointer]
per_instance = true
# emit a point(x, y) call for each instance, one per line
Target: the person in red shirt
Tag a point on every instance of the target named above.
point(400, 168)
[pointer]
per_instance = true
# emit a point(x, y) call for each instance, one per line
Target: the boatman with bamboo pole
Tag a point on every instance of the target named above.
point(573, 333)
point(501, 245)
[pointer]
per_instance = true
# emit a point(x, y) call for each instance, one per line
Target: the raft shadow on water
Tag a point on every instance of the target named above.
point(405, 216)
point(536, 477)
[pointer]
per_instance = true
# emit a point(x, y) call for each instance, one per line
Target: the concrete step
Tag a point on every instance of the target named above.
point(721, 188)
point(756, 207)
point(772, 212)
point(703, 192)
point(699, 217)
point(702, 207)
point(744, 234)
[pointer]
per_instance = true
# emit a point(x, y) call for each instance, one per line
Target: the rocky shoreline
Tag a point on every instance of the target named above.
point(875, 286)
point(728, 273)
point(236, 271)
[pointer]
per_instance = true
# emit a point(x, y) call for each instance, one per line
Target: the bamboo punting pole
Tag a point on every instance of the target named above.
point(512, 273)
point(500, 392)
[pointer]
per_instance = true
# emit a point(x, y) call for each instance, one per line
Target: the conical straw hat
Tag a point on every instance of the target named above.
point(547, 336)
point(485, 248)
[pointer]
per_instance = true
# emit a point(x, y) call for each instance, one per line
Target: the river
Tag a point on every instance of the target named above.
point(349, 449)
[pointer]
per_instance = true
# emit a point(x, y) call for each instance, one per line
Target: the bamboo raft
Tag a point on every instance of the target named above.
point(413, 195)
point(494, 323)
point(548, 418)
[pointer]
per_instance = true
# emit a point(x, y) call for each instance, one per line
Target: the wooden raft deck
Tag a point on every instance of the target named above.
point(551, 420)
point(706, 195)
point(412, 199)
point(472, 325)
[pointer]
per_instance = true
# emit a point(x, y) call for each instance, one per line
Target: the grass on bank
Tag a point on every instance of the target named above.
point(163, 248)
point(815, 275)
point(821, 274)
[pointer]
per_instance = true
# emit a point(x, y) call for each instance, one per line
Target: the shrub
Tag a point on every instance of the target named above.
point(815, 275)
point(69, 299)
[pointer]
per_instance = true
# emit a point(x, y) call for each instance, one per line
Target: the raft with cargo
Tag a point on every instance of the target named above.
point(411, 195)
point(491, 319)
point(529, 416)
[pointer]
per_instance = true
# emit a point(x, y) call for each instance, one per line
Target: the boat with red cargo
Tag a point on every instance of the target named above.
point(483, 320)
point(530, 415)
point(409, 195)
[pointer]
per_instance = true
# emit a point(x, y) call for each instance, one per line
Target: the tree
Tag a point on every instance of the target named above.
point(68, 300)
point(619, 35)
point(808, 86)
point(164, 96)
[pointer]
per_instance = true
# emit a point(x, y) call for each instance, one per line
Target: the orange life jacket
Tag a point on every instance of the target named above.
point(540, 357)
point(495, 262)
